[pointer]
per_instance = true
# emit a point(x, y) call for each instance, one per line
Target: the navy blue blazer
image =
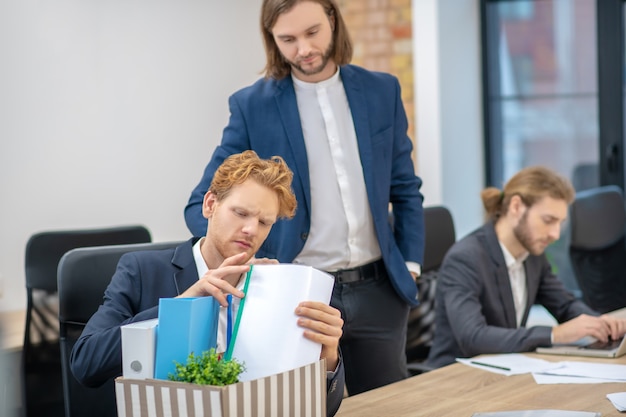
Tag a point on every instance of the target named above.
point(264, 117)
point(141, 279)
point(474, 308)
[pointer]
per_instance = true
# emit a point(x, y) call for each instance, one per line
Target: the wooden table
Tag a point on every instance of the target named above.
point(459, 390)
point(12, 330)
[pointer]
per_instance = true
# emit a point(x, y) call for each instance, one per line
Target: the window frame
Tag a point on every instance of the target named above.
point(610, 72)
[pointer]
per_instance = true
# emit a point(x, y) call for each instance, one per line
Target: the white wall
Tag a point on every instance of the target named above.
point(109, 111)
point(448, 107)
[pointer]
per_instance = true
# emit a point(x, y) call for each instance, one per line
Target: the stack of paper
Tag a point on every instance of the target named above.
point(538, 413)
point(267, 337)
point(545, 372)
point(509, 364)
point(572, 372)
point(618, 399)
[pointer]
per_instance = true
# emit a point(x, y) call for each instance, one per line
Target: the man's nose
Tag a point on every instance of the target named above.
point(304, 47)
point(555, 231)
point(251, 226)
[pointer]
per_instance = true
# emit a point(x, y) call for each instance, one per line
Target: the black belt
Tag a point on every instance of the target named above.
point(372, 270)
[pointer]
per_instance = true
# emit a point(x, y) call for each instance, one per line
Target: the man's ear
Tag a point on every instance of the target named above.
point(517, 206)
point(208, 204)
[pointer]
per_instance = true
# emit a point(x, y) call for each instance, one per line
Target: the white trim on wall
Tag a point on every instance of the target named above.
point(448, 107)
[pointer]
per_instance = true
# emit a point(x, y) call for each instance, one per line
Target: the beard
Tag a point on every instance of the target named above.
point(524, 236)
point(315, 70)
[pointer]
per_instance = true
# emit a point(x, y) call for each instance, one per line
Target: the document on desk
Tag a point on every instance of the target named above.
point(603, 372)
point(618, 399)
point(509, 363)
point(538, 413)
point(545, 379)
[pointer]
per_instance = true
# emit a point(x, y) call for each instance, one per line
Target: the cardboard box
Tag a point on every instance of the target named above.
point(299, 392)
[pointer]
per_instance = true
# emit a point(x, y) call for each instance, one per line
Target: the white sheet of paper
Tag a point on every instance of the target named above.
point(544, 379)
point(269, 340)
point(617, 373)
point(618, 399)
point(516, 363)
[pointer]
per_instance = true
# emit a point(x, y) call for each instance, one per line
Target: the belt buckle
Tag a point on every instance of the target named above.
point(346, 276)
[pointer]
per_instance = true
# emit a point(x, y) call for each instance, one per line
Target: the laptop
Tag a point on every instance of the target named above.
point(589, 346)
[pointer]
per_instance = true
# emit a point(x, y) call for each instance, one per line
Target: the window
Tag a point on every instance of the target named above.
point(542, 86)
point(554, 94)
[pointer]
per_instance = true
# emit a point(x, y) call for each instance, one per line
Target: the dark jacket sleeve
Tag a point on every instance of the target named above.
point(335, 388)
point(97, 355)
point(474, 307)
point(562, 304)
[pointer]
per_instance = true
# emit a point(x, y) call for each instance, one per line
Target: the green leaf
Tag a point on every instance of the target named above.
point(209, 368)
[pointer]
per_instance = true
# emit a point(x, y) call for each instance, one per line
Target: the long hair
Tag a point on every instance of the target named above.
point(276, 66)
point(272, 173)
point(531, 185)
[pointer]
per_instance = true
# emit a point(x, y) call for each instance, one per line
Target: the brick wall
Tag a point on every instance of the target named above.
point(382, 35)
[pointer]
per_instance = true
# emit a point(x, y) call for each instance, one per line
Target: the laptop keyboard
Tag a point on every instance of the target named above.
point(608, 345)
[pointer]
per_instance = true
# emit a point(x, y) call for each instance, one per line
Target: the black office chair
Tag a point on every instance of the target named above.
point(84, 274)
point(41, 361)
point(597, 247)
point(439, 237)
point(586, 176)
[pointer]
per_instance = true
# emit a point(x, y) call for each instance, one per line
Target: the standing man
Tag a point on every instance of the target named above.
point(246, 197)
point(343, 131)
point(489, 280)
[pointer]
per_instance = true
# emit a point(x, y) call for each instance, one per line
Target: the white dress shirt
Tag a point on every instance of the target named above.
point(517, 276)
point(342, 231)
point(202, 268)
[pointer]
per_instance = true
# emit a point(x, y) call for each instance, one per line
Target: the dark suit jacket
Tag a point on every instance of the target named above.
point(474, 309)
point(141, 279)
point(264, 117)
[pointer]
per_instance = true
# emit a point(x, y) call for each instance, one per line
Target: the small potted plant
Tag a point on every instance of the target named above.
point(208, 368)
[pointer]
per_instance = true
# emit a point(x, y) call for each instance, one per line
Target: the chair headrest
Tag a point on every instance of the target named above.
point(597, 218)
point(439, 236)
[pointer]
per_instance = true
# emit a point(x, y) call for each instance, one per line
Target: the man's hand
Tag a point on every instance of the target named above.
point(221, 281)
point(616, 325)
point(584, 325)
point(263, 261)
point(322, 324)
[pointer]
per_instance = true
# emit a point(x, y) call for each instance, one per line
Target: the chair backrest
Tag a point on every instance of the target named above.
point(597, 247)
point(439, 237)
point(44, 250)
point(41, 359)
point(586, 176)
point(84, 274)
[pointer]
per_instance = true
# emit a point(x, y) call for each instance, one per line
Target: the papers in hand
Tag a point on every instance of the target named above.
point(268, 339)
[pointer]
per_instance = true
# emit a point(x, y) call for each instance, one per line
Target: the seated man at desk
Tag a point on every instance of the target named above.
point(489, 280)
point(246, 197)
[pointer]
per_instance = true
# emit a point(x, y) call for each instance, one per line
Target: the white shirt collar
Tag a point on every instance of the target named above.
point(201, 265)
point(509, 260)
point(298, 83)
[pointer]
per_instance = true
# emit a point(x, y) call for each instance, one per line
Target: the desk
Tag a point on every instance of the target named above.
point(460, 390)
point(12, 329)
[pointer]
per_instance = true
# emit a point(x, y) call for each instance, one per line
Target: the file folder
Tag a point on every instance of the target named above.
point(138, 349)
